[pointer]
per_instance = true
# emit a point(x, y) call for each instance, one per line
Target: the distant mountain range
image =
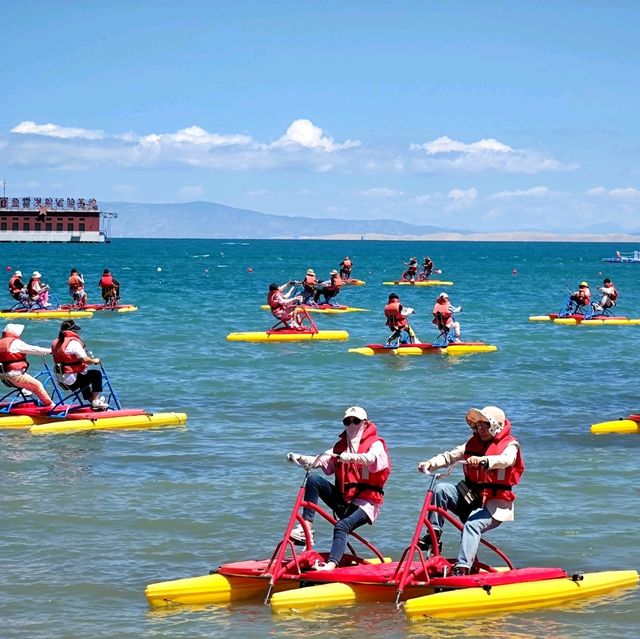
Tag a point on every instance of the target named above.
point(211, 220)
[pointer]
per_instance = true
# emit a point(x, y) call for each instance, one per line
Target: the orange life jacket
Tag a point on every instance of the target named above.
point(497, 482)
point(11, 361)
point(346, 264)
point(583, 295)
point(395, 319)
point(412, 269)
point(75, 283)
point(30, 288)
point(352, 480)
point(68, 362)
point(443, 309)
point(310, 282)
point(613, 296)
point(274, 305)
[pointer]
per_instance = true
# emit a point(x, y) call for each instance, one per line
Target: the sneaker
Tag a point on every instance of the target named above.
point(46, 305)
point(320, 566)
point(99, 403)
point(457, 340)
point(26, 393)
point(297, 535)
point(425, 541)
point(460, 571)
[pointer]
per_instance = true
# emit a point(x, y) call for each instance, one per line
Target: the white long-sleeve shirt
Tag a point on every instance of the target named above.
point(74, 347)
point(500, 509)
point(18, 346)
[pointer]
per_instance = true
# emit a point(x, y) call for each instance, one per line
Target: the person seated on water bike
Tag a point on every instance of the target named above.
point(609, 296)
point(345, 268)
point(309, 286)
point(397, 321)
point(361, 465)
point(328, 288)
point(493, 466)
point(581, 298)
point(76, 288)
point(427, 268)
point(38, 292)
point(110, 288)
point(17, 288)
point(285, 309)
point(412, 270)
point(443, 318)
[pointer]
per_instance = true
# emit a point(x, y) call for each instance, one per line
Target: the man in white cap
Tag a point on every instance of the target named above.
point(493, 465)
point(329, 288)
point(443, 318)
point(17, 289)
point(361, 464)
point(14, 365)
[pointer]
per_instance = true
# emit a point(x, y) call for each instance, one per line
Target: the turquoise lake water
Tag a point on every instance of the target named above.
point(89, 520)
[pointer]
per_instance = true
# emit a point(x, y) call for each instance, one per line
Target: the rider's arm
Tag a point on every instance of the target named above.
point(505, 459)
point(447, 458)
point(75, 348)
point(18, 346)
point(375, 458)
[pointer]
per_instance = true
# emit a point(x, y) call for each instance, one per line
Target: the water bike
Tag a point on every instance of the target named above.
point(329, 309)
point(33, 309)
point(116, 308)
point(620, 426)
point(282, 331)
point(587, 315)
point(71, 413)
point(418, 282)
point(421, 582)
point(444, 344)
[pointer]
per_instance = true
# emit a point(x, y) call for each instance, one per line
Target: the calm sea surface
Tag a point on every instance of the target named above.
point(89, 520)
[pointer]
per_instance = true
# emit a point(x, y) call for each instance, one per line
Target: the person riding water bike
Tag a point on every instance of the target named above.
point(329, 288)
point(345, 268)
point(110, 288)
point(17, 288)
point(361, 465)
point(443, 318)
point(427, 268)
point(609, 296)
point(492, 467)
point(412, 270)
point(284, 308)
point(581, 298)
point(38, 292)
point(309, 286)
point(76, 288)
point(397, 320)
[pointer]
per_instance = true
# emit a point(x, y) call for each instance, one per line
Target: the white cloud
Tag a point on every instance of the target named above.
point(28, 127)
point(305, 133)
point(379, 192)
point(419, 200)
point(459, 195)
point(596, 191)
point(536, 191)
point(190, 192)
point(485, 154)
point(626, 193)
point(195, 135)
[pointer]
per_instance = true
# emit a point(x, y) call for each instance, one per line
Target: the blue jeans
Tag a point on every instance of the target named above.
point(446, 496)
point(350, 517)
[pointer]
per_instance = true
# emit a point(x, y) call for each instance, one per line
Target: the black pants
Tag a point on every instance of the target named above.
point(90, 382)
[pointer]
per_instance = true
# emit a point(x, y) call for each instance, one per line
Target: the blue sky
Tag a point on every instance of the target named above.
point(475, 115)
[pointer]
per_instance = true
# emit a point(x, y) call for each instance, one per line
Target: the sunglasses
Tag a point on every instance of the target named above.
point(351, 420)
point(479, 425)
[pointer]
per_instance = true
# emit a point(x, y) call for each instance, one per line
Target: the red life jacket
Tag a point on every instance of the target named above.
point(106, 281)
point(583, 295)
point(346, 264)
point(497, 482)
point(395, 319)
point(11, 361)
point(614, 294)
point(443, 309)
point(13, 286)
point(349, 477)
point(273, 304)
point(412, 269)
point(68, 363)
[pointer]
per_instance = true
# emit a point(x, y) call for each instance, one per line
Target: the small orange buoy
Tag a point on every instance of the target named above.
point(514, 271)
point(8, 268)
point(249, 270)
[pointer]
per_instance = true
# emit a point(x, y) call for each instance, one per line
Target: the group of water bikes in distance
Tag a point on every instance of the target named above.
point(412, 274)
point(35, 295)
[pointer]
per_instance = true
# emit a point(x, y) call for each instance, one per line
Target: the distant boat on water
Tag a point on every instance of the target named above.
point(624, 258)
